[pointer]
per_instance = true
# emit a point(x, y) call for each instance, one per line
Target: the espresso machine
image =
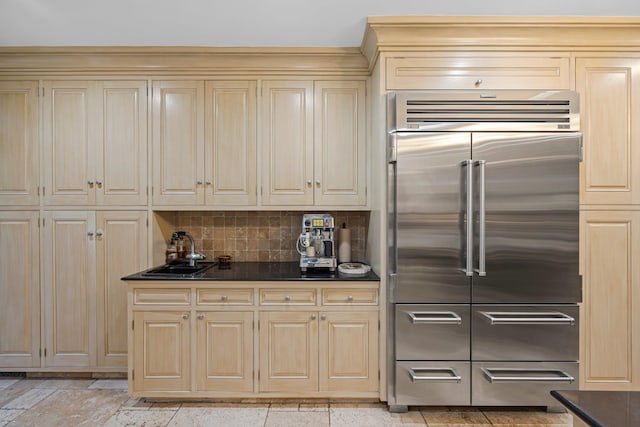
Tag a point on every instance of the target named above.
point(316, 243)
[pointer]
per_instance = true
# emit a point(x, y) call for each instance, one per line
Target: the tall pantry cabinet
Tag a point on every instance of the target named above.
point(83, 223)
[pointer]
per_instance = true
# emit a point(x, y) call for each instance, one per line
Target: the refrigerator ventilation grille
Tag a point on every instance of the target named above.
point(490, 112)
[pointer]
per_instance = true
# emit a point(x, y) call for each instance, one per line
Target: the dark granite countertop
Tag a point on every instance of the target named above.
point(256, 271)
point(603, 408)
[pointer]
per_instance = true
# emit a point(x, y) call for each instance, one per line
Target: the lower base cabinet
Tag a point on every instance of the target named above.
point(212, 340)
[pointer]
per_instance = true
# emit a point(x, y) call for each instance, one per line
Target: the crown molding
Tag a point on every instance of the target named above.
point(153, 60)
point(424, 33)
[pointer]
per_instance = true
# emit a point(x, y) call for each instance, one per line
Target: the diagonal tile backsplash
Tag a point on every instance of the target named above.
point(262, 235)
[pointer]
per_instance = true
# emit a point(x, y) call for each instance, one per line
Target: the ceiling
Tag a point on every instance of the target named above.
point(241, 23)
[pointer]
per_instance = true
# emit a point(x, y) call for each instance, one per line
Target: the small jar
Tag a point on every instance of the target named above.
point(180, 249)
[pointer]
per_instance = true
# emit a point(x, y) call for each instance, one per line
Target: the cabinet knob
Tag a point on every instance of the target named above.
point(90, 183)
point(478, 82)
point(207, 182)
point(99, 233)
point(90, 233)
point(223, 298)
point(98, 183)
point(200, 316)
point(199, 182)
point(287, 298)
point(323, 317)
point(313, 317)
point(308, 182)
point(185, 316)
point(318, 182)
point(350, 298)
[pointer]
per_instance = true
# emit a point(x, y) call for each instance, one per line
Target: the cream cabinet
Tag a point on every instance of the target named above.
point(19, 289)
point(610, 312)
point(95, 143)
point(121, 248)
point(477, 70)
point(204, 143)
point(313, 143)
point(19, 172)
point(253, 339)
point(319, 351)
point(85, 253)
point(610, 122)
point(69, 288)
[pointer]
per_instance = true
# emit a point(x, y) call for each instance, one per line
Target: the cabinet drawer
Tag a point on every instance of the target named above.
point(162, 296)
point(287, 297)
point(349, 297)
point(224, 296)
point(526, 72)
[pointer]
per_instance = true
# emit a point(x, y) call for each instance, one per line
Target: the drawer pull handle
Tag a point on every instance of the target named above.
point(526, 375)
point(287, 298)
point(223, 298)
point(438, 317)
point(350, 298)
point(524, 318)
point(434, 374)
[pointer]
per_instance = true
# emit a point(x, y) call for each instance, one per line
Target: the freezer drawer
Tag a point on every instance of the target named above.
point(521, 383)
point(432, 332)
point(525, 332)
point(433, 383)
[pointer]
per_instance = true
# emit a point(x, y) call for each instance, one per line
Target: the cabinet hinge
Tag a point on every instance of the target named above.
point(45, 352)
point(378, 324)
point(378, 374)
point(43, 190)
point(133, 374)
point(147, 222)
point(38, 190)
point(42, 91)
point(43, 222)
point(39, 352)
point(132, 324)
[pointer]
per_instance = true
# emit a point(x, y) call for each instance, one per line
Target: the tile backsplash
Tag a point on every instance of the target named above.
point(261, 235)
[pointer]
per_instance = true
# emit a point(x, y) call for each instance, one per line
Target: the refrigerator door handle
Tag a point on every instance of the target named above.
point(434, 374)
point(469, 217)
point(481, 220)
point(495, 375)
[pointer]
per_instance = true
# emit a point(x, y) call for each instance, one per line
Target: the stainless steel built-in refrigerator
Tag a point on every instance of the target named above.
point(483, 254)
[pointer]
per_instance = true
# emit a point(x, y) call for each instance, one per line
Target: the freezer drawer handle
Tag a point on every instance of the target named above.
point(524, 318)
point(526, 375)
point(415, 374)
point(439, 317)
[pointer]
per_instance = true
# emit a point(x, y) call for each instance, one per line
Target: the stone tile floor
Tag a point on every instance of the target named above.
point(100, 402)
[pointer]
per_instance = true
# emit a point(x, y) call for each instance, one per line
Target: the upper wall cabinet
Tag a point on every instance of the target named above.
point(610, 120)
point(95, 143)
point(204, 143)
point(478, 72)
point(313, 143)
point(18, 143)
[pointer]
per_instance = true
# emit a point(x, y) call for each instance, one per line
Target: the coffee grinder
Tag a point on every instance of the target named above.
point(316, 243)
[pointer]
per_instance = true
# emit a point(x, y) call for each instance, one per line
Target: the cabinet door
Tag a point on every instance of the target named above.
point(224, 345)
point(19, 290)
point(488, 71)
point(349, 351)
point(230, 143)
point(339, 143)
point(161, 351)
point(610, 121)
point(288, 351)
point(610, 312)
point(287, 140)
point(178, 142)
point(121, 248)
point(121, 175)
point(69, 288)
point(18, 143)
point(69, 125)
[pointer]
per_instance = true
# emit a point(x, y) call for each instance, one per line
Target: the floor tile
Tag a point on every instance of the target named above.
point(72, 408)
point(136, 403)
point(528, 418)
point(373, 417)
point(314, 407)
point(7, 415)
point(454, 417)
point(60, 383)
point(220, 416)
point(287, 407)
point(6, 382)
point(29, 399)
point(295, 419)
point(109, 385)
point(140, 418)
